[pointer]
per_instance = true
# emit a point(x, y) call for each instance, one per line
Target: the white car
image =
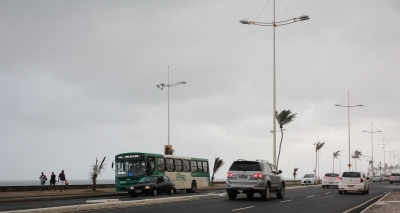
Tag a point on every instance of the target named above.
point(377, 178)
point(353, 181)
point(330, 179)
point(308, 179)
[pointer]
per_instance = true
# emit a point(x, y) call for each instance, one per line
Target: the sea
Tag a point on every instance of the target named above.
point(37, 182)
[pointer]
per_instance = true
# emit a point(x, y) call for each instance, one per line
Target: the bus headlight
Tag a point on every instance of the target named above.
point(132, 188)
point(147, 187)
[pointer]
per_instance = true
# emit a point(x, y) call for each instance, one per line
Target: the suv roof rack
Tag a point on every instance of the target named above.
point(241, 160)
point(261, 160)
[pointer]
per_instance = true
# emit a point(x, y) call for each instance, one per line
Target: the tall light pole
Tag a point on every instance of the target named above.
point(161, 86)
point(340, 159)
point(348, 117)
point(384, 159)
point(274, 25)
point(372, 147)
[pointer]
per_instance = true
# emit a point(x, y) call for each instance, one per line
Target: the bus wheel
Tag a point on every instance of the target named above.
point(193, 188)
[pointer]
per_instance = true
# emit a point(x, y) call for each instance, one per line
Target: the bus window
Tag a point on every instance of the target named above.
point(186, 166)
point(170, 165)
point(178, 165)
point(161, 164)
point(205, 166)
point(193, 165)
point(199, 166)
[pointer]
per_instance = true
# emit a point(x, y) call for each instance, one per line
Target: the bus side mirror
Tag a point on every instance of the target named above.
point(112, 165)
point(280, 172)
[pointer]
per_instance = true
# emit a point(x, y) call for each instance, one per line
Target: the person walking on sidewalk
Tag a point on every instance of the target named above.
point(61, 179)
point(52, 181)
point(42, 179)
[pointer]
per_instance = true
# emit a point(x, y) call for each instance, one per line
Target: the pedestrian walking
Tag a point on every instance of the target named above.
point(42, 179)
point(52, 181)
point(61, 180)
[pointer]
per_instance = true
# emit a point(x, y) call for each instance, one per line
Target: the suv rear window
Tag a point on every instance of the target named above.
point(331, 175)
point(245, 166)
point(351, 174)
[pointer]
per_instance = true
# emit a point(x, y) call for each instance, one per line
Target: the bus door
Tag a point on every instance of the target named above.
point(150, 165)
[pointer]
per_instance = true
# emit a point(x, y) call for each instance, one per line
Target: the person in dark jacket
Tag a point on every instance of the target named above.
point(52, 181)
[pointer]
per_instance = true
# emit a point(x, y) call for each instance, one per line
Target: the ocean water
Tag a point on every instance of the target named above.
point(37, 182)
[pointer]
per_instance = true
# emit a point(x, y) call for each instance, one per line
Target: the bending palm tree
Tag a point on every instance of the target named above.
point(318, 146)
point(335, 155)
point(295, 172)
point(217, 165)
point(283, 118)
point(96, 171)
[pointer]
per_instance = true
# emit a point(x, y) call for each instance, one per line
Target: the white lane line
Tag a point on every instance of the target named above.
point(366, 209)
point(310, 196)
point(327, 193)
point(243, 208)
point(285, 201)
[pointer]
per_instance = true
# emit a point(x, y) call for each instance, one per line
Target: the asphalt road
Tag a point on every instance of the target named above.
point(300, 200)
point(308, 200)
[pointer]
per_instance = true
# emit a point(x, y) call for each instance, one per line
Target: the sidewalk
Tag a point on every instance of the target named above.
point(29, 196)
point(390, 203)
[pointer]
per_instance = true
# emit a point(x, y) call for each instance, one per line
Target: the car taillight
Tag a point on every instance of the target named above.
point(361, 180)
point(257, 175)
point(325, 177)
point(230, 175)
point(338, 178)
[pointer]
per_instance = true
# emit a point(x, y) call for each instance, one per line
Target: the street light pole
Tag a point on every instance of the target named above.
point(274, 25)
point(168, 85)
point(341, 160)
point(372, 147)
point(348, 118)
point(384, 159)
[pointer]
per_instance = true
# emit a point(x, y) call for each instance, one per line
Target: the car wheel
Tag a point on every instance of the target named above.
point(281, 193)
point(171, 191)
point(323, 186)
point(345, 192)
point(250, 194)
point(302, 184)
point(363, 192)
point(154, 192)
point(232, 195)
point(391, 182)
point(192, 188)
point(340, 192)
point(267, 194)
point(367, 192)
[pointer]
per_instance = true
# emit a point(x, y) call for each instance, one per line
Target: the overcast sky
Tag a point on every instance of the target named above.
point(78, 81)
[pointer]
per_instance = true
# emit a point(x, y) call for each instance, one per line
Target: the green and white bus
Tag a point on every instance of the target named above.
point(188, 173)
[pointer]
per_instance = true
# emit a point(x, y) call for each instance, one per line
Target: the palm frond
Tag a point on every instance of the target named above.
point(336, 154)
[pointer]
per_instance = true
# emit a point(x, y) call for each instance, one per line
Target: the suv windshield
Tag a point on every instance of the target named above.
point(245, 166)
point(309, 175)
point(351, 174)
point(331, 175)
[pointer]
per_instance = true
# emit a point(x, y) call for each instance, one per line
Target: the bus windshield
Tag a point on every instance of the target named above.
point(130, 168)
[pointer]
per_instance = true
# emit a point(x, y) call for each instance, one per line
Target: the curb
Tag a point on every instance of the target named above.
point(113, 205)
point(366, 209)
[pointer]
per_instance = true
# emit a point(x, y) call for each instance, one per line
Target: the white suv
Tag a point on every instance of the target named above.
point(308, 179)
point(249, 177)
point(353, 181)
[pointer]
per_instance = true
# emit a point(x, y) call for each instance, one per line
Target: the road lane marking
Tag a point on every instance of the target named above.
point(285, 201)
point(327, 193)
point(310, 196)
point(243, 208)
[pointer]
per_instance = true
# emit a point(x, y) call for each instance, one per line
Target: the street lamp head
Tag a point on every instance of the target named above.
point(337, 105)
point(304, 17)
point(183, 82)
point(365, 131)
point(378, 131)
point(159, 86)
point(360, 105)
point(244, 21)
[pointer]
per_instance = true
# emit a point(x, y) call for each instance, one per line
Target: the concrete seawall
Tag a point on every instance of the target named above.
point(98, 186)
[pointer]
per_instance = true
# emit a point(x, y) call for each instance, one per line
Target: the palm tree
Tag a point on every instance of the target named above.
point(356, 156)
point(295, 173)
point(283, 118)
point(217, 165)
point(168, 150)
point(335, 155)
point(318, 146)
point(95, 171)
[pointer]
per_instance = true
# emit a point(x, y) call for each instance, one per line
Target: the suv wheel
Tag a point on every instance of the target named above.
point(340, 192)
point(267, 194)
point(232, 195)
point(281, 193)
point(250, 194)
